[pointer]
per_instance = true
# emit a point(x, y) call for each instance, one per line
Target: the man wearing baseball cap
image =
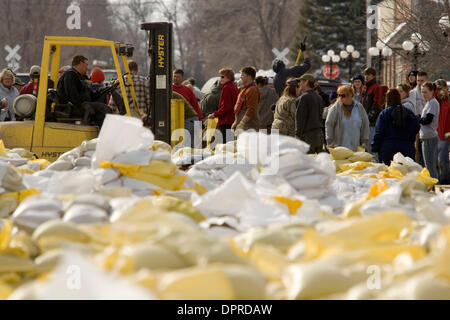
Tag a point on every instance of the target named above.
point(32, 87)
point(309, 115)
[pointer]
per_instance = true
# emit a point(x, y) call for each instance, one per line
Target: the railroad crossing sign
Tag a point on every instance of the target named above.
point(281, 55)
point(326, 71)
point(13, 57)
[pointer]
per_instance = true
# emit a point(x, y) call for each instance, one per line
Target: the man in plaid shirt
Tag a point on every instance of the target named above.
point(141, 88)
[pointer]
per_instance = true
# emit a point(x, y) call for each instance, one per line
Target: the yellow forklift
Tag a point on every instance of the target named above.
point(49, 137)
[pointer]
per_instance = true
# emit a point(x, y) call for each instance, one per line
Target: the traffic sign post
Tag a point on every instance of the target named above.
point(330, 71)
point(281, 55)
point(13, 57)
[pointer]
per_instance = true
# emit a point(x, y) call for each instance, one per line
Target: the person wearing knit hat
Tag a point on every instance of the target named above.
point(357, 85)
point(97, 75)
point(412, 78)
point(97, 78)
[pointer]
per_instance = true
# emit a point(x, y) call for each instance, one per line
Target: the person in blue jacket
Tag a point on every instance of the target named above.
point(395, 130)
point(283, 73)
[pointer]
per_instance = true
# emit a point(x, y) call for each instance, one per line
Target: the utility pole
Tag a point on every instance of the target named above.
point(368, 36)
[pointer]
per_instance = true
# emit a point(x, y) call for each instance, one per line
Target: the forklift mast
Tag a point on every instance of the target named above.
point(161, 55)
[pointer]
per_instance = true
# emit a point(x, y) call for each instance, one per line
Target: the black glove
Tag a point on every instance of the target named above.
point(302, 46)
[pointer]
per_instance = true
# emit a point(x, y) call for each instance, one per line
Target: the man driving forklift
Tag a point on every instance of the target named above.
point(73, 89)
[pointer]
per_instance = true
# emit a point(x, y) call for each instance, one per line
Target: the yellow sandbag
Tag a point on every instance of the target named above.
point(11, 263)
point(23, 153)
point(5, 235)
point(2, 149)
point(338, 163)
point(62, 230)
point(157, 144)
point(358, 233)
point(360, 149)
point(340, 153)
point(377, 188)
point(426, 179)
point(390, 174)
point(149, 256)
point(43, 163)
point(361, 156)
point(268, 260)
point(360, 165)
point(199, 283)
point(159, 173)
point(5, 290)
point(292, 204)
point(400, 167)
point(169, 203)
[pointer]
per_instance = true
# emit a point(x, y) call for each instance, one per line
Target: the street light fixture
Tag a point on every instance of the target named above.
point(444, 24)
point(351, 54)
point(383, 52)
point(417, 47)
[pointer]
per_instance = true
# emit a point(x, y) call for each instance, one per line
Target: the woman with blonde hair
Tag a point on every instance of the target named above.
point(9, 92)
point(347, 124)
point(285, 109)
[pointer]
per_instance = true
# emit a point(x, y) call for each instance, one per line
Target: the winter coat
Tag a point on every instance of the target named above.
point(283, 73)
point(227, 101)
point(371, 99)
point(210, 102)
point(284, 118)
point(390, 139)
point(334, 126)
point(308, 117)
point(11, 94)
point(444, 117)
point(187, 92)
point(268, 98)
point(247, 105)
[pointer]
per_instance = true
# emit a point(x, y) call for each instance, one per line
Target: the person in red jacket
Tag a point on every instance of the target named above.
point(228, 98)
point(443, 131)
point(185, 91)
point(32, 87)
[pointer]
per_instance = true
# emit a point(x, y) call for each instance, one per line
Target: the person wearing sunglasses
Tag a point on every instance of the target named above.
point(228, 98)
point(347, 123)
point(395, 130)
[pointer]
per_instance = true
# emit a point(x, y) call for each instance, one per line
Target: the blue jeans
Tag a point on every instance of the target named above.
point(444, 164)
point(430, 154)
point(189, 126)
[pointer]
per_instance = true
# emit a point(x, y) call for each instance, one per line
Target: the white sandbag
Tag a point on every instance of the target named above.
point(135, 184)
point(61, 165)
point(14, 161)
point(120, 134)
point(89, 145)
point(317, 193)
point(36, 181)
point(10, 178)
point(104, 176)
point(162, 155)
point(82, 162)
point(70, 155)
point(299, 173)
point(218, 161)
point(89, 154)
point(140, 157)
point(311, 181)
point(96, 200)
point(86, 214)
point(80, 182)
point(31, 219)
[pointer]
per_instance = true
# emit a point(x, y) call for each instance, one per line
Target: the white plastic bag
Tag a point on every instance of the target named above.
point(120, 134)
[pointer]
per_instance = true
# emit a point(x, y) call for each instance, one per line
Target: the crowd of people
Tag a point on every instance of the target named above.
point(413, 118)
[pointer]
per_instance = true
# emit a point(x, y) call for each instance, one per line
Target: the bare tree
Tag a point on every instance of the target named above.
point(423, 17)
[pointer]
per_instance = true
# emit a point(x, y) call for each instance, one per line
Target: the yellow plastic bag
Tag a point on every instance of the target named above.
point(159, 173)
point(426, 179)
point(157, 144)
point(360, 165)
point(2, 149)
point(169, 203)
point(292, 204)
point(5, 290)
point(361, 156)
point(340, 153)
point(211, 126)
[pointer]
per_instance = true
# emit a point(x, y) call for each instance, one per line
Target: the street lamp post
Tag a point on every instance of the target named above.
point(417, 47)
point(330, 58)
point(350, 53)
point(381, 51)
